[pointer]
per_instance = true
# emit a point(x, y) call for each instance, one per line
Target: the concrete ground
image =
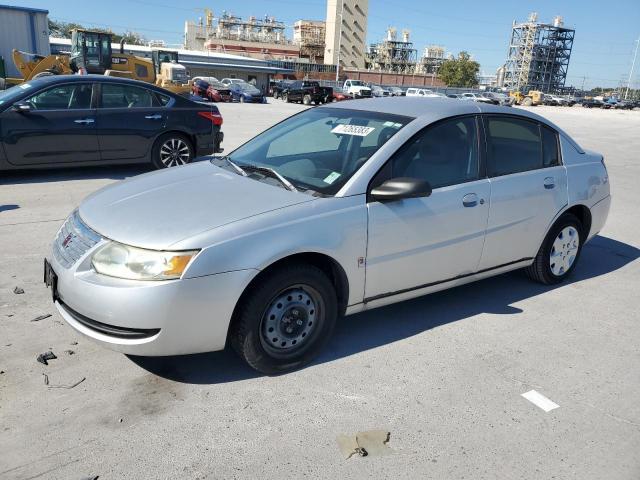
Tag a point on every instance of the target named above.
point(444, 373)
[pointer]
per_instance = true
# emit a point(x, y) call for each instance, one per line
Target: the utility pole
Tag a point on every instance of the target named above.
point(584, 78)
point(633, 64)
point(339, 43)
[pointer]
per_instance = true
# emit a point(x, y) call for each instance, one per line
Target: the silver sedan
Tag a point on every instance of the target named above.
point(336, 210)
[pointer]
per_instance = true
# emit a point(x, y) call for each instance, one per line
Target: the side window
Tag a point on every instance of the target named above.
point(513, 146)
point(550, 151)
point(163, 99)
point(443, 154)
point(76, 96)
point(125, 96)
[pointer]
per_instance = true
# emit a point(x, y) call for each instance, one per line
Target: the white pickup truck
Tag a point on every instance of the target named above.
point(356, 89)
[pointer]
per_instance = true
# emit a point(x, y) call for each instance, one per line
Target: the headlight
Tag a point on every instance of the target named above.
point(123, 261)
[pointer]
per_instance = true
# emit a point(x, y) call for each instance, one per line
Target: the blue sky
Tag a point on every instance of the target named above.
point(605, 31)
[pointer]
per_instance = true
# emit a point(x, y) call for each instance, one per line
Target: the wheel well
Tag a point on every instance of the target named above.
point(584, 215)
point(328, 265)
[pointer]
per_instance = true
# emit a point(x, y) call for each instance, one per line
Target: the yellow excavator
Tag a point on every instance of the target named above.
point(91, 53)
point(534, 97)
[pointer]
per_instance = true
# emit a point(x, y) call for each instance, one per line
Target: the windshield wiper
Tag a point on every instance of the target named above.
point(233, 164)
point(270, 172)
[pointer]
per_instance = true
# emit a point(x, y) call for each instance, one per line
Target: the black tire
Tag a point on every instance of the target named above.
point(157, 157)
point(241, 99)
point(541, 269)
point(253, 320)
point(275, 95)
point(306, 100)
point(285, 97)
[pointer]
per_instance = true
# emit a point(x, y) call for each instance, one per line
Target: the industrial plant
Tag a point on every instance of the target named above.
point(539, 55)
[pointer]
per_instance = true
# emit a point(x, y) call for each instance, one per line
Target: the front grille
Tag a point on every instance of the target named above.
point(74, 239)
point(365, 93)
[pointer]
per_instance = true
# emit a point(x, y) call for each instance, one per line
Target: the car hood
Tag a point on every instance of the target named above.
point(158, 209)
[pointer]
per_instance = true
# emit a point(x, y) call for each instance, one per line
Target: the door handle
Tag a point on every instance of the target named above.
point(470, 200)
point(549, 183)
point(156, 116)
point(85, 121)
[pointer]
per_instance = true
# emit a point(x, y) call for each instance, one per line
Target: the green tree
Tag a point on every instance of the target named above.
point(63, 30)
point(460, 72)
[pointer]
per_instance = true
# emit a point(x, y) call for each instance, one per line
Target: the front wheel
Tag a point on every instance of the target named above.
point(306, 100)
point(285, 97)
point(285, 320)
point(171, 150)
point(241, 99)
point(559, 252)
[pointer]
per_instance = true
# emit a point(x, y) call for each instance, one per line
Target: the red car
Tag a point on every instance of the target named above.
point(213, 91)
point(339, 95)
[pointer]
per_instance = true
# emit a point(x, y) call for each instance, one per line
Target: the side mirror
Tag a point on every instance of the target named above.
point(400, 188)
point(21, 107)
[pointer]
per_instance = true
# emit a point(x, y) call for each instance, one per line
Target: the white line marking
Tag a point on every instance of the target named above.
point(540, 400)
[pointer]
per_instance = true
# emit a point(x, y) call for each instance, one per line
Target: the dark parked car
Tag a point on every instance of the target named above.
point(246, 93)
point(80, 120)
point(280, 86)
point(592, 103)
point(307, 92)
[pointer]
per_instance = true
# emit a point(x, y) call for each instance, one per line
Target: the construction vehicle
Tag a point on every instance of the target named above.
point(534, 97)
point(91, 53)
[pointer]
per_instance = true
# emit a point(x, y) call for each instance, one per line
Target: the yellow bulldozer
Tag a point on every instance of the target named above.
point(91, 52)
point(534, 97)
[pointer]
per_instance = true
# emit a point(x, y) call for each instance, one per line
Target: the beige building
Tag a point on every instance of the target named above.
point(349, 39)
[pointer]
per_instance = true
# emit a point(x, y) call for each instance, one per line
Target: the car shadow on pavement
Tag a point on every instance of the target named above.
point(385, 325)
point(119, 172)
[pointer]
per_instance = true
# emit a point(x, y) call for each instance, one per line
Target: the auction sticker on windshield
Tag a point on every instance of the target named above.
point(356, 130)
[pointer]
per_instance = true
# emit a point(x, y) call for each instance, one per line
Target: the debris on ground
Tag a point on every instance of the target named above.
point(46, 379)
point(44, 357)
point(1, 372)
point(91, 478)
point(69, 352)
point(73, 343)
point(365, 444)
point(121, 420)
point(69, 387)
point(41, 317)
point(18, 290)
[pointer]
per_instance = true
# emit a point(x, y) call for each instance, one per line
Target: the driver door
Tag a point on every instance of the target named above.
point(418, 242)
point(59, 128)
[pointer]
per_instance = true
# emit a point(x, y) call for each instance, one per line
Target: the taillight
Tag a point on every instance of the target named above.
point(215, 117)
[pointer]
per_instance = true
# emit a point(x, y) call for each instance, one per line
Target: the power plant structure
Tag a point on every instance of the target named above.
point(309, 35)
point(539, 56)
point(392, 55)
point(432, 59)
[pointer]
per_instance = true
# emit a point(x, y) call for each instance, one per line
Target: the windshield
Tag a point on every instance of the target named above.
point(357, 83)
point(11, 94)
point(246, 87)
point(320, 149)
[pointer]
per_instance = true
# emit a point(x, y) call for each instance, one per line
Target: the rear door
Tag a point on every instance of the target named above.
point(129, 119)
point(59, 128)
point(528, 187)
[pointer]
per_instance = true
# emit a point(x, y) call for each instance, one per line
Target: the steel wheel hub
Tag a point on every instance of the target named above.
point(564, 251)
point(174, 152)
point(289, 319)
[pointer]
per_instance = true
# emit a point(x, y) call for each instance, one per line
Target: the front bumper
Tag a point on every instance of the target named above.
point(159, 318)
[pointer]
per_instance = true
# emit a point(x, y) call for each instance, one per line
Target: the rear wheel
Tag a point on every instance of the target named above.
point(283, 322)
point(559, 252)
point(527, 101)
point(285, 97)
point(172, 150)
point(306, 100)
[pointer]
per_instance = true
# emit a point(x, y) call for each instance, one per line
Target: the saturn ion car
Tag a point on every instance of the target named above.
point(336, 210)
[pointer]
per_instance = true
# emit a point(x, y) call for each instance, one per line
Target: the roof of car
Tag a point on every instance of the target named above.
point(52, 79)
point(432, 108)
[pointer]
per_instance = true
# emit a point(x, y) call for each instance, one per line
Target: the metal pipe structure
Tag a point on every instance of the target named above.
point(633, 64)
